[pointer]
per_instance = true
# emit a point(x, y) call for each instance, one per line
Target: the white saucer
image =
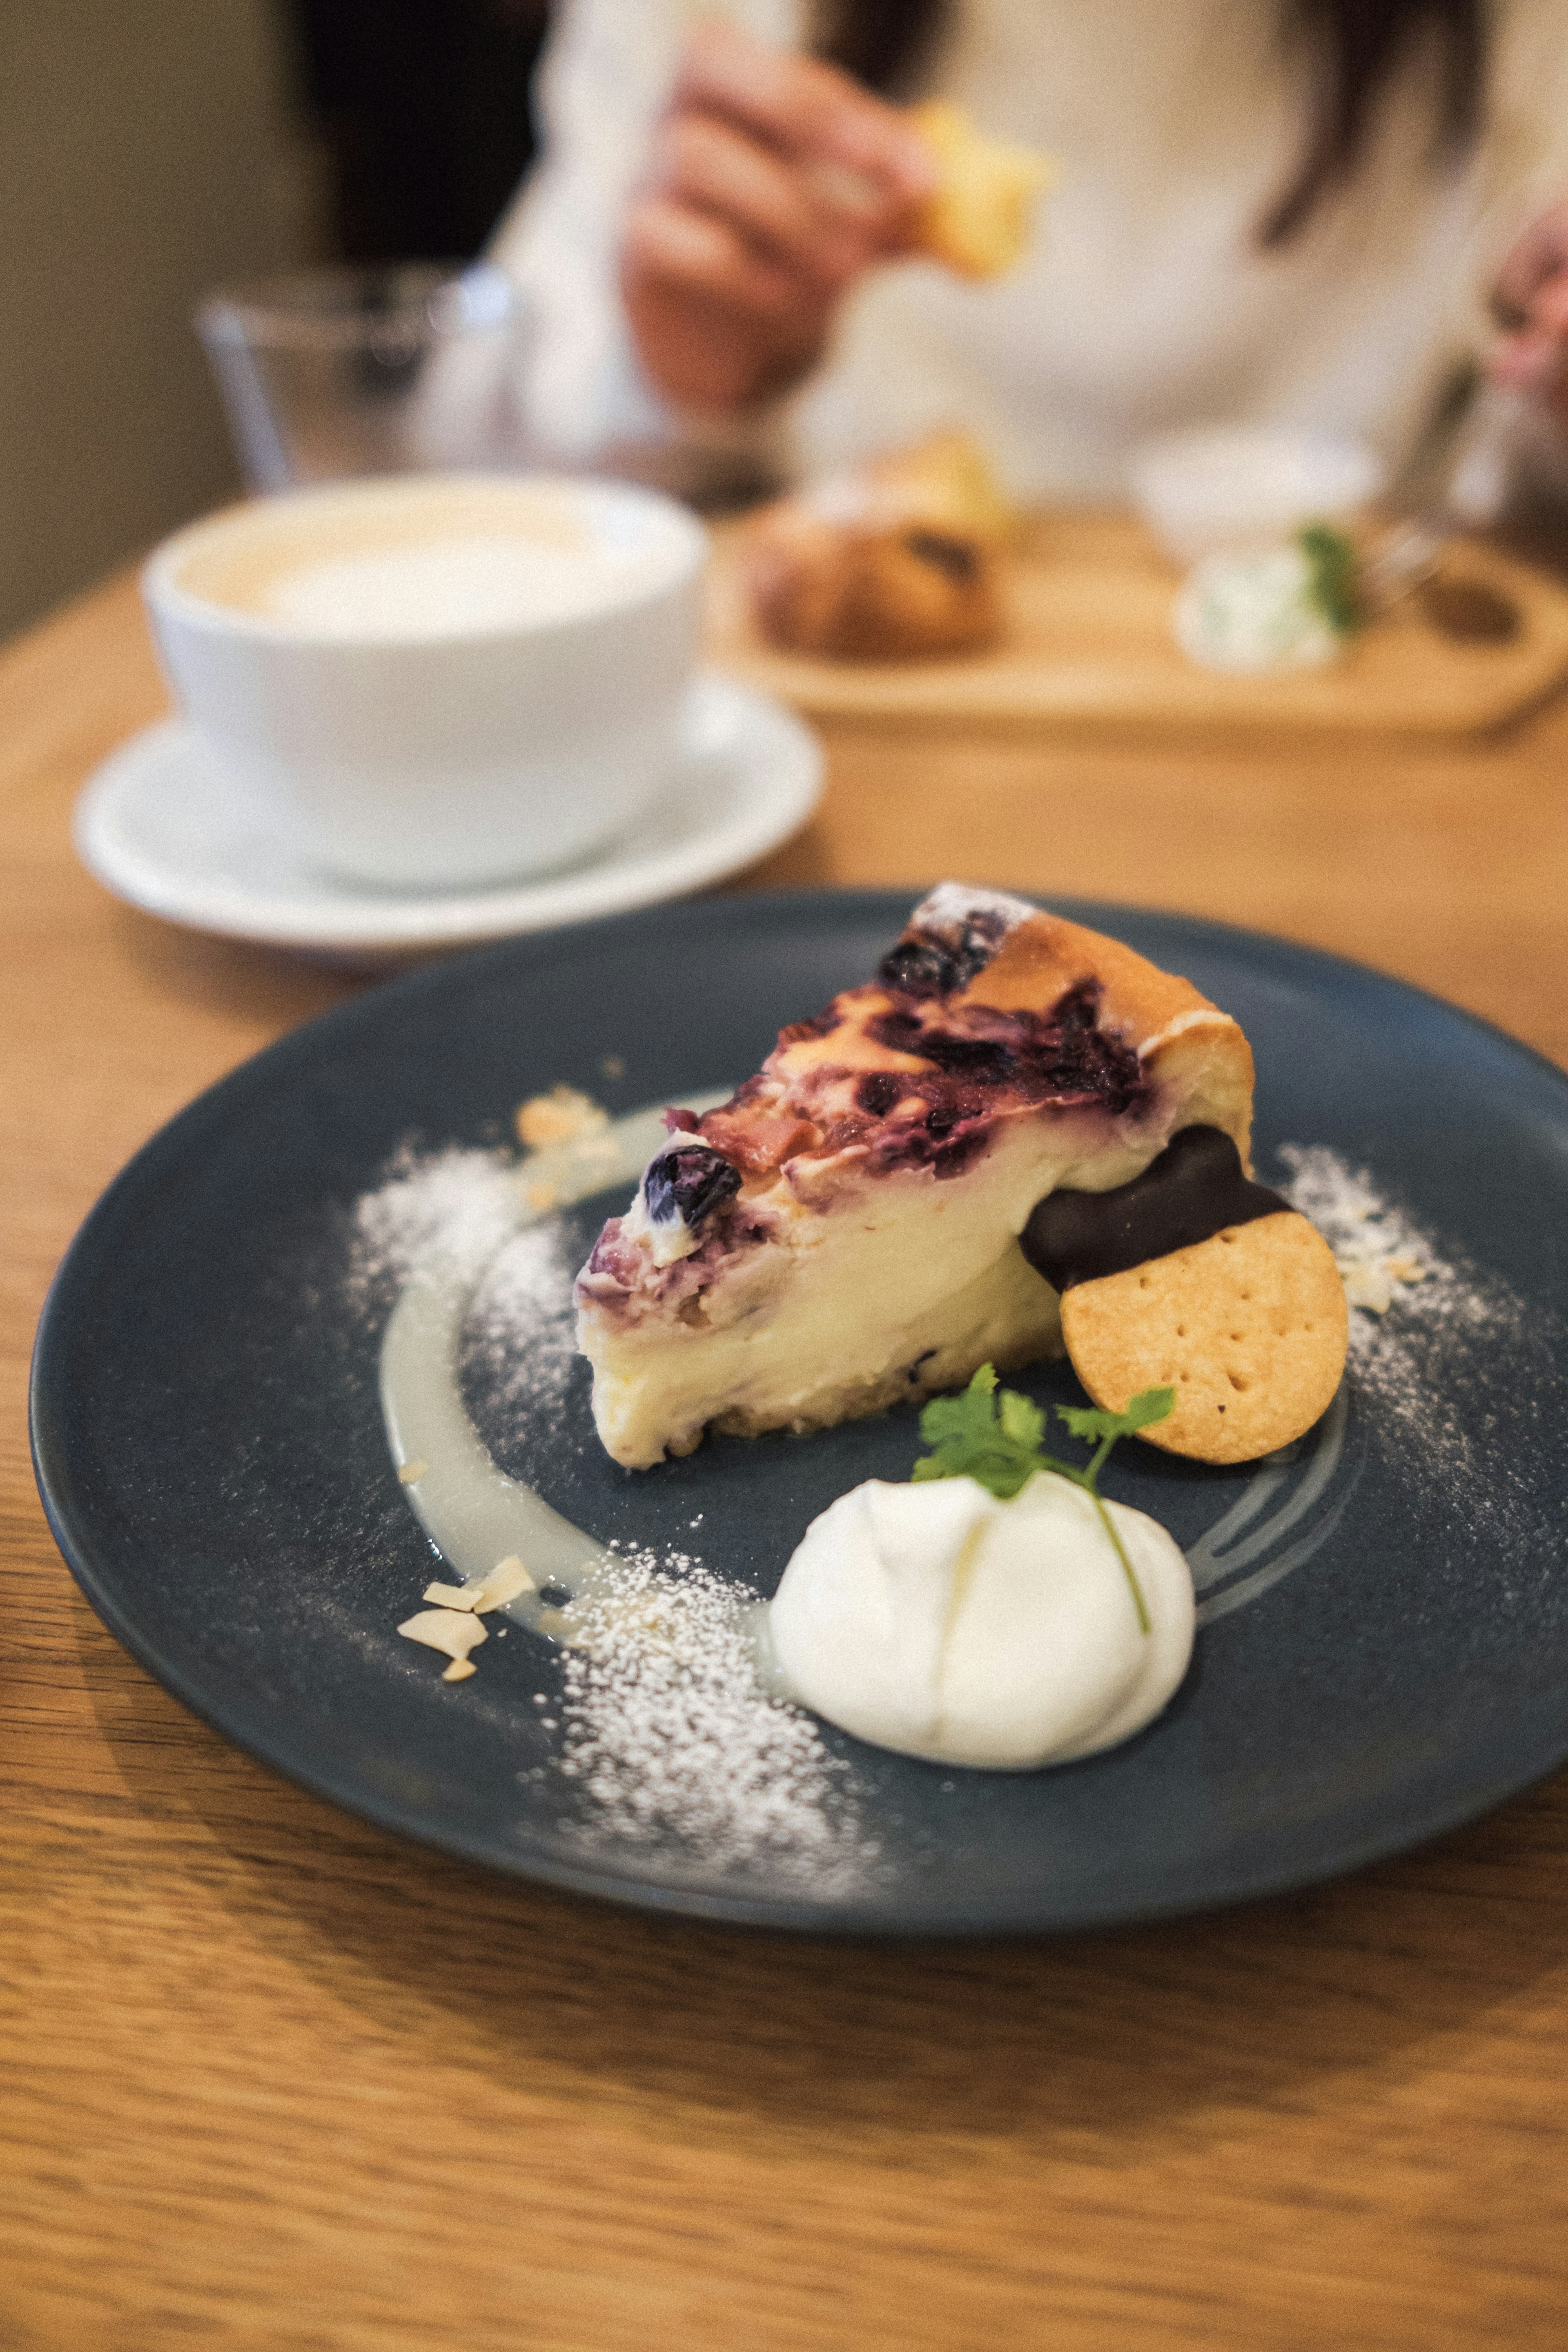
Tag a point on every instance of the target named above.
point(155, 826)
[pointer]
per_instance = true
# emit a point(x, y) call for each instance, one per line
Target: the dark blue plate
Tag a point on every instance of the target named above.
point(1383, 1653)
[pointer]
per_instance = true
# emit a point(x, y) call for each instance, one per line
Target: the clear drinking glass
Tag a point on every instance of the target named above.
point(404, 366)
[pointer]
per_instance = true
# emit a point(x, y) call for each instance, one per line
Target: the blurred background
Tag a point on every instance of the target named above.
point(148, 152)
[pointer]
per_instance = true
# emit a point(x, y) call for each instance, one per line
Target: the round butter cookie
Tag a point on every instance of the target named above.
point(1249, 1328)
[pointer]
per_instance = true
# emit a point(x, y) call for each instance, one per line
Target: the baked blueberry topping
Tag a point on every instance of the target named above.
point(688, 1184)
point(878, 1093)
point(985, 1058)
point(938, 963)
point(915, 967)
point(1061, 1055)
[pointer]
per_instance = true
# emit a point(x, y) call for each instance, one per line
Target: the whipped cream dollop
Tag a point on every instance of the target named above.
point(937, 1621)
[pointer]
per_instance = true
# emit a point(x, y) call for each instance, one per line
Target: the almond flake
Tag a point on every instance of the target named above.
point(459, 1670)
point(452, 1596)
point(449, 1629)
point(412, 1472)
point(541, 1196)
point(506, 1579)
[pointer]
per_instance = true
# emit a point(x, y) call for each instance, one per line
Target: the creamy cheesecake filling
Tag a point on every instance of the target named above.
point(842, 1288)
point(844, 1231)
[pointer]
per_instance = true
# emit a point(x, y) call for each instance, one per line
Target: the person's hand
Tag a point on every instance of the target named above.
point(774, 183)
point(1530, 303)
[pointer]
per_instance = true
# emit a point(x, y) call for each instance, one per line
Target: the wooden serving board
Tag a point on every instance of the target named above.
point(1089, 643)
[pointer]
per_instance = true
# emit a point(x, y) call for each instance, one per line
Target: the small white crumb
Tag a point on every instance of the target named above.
point(1368, 1286)
point(412, 1472)
point(453, 1630)
point(459, 1670)
point(612, 1066)
point(1370, 1282)
point(562, 1115)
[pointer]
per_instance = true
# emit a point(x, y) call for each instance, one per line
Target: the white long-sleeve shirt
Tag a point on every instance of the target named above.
point(1145, 301)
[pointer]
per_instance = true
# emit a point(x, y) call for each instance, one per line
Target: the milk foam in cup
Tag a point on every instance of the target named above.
point(437, 681)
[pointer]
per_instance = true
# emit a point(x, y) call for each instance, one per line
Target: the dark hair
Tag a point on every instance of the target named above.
point(1351, 50)
point(883, 43)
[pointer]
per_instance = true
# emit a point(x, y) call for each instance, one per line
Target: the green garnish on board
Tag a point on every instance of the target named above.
point(997, 1437)
point(1333, 565)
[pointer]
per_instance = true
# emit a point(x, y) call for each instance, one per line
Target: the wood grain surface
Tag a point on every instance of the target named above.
point(1088, 645)
point(272, 2080)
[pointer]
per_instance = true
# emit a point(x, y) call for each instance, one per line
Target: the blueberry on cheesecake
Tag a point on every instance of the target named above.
point(844, 1231)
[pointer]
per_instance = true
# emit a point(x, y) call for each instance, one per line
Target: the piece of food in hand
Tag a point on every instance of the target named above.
point(978, 219)
point(894, 560)
point(1193, 1279)
point(842, 1233)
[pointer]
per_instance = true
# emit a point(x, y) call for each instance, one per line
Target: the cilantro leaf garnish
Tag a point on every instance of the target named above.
point(1332, 561)
point(998, 1439)
point(978, 1434)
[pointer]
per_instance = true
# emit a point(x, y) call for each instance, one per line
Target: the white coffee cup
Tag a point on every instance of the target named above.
point(437, 680)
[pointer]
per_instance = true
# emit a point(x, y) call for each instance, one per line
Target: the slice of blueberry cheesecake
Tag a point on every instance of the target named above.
point(844, 1231)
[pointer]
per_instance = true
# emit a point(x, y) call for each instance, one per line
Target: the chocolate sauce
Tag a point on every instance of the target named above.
point(1191, 1192)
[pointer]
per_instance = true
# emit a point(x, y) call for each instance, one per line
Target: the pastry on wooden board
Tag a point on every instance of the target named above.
point(899, 559)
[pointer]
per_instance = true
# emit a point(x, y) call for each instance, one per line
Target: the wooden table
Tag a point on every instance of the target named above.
point(273, 2080)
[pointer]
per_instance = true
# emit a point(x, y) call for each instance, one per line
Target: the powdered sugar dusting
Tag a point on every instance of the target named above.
point(667, 1739)
point(521, 1343)
point(459, 1203)
point(669, 1733)
point(1442, 1352)
point(1378, 1250)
